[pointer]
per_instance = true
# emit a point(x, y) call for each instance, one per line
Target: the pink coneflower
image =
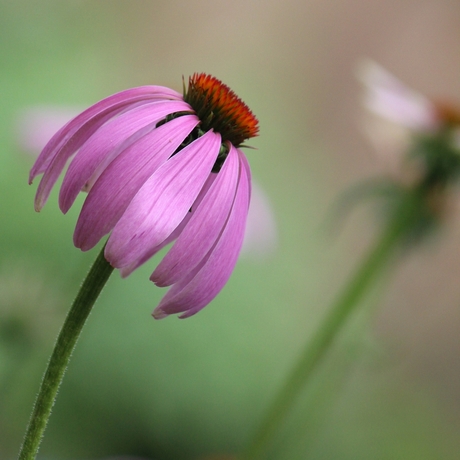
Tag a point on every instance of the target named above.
point(159, 167)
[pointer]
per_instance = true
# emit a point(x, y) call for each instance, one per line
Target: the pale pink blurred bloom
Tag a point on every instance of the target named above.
point(261, 234)
point(389, 98)
point(396, 119)
point(36, 125)
point(159, 167)
point(394, 114)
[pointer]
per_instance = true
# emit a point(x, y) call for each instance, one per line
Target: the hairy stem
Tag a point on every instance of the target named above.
point(65, 344)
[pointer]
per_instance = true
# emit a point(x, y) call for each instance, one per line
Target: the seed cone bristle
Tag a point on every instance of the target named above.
point(220, 109)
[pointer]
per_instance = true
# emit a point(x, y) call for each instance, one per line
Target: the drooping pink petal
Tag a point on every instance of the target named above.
point(113, 104)
point(128, 269)
point(204, 227)
point(163, 201)
point(111, 139)
point(110, 106)
point(72, 135)
point(245, 163)
point(116, 187)
point(197, 289)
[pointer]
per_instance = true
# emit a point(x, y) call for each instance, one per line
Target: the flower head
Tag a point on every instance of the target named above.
point(389, 98)
point(420, 136)
point(159, 166)
point(421, 143)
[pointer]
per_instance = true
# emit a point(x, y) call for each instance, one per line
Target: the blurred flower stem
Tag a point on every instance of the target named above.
point(406, 216)
point(65, 344)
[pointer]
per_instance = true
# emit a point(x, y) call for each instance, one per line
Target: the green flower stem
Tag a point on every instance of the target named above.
point(316, 349)
point(65, 344)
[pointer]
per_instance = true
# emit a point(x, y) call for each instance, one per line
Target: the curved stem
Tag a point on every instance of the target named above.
point(65, 344)
point(339, 312)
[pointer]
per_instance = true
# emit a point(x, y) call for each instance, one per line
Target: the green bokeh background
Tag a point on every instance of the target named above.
point(187, 389)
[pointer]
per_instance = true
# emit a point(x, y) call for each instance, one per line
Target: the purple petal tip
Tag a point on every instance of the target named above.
point(158, 313)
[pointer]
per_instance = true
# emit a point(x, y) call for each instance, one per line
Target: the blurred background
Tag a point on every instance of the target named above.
point(187, 390)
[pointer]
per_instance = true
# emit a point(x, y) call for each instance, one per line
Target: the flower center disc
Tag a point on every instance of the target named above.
point(220, 109)
point(448, 113)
